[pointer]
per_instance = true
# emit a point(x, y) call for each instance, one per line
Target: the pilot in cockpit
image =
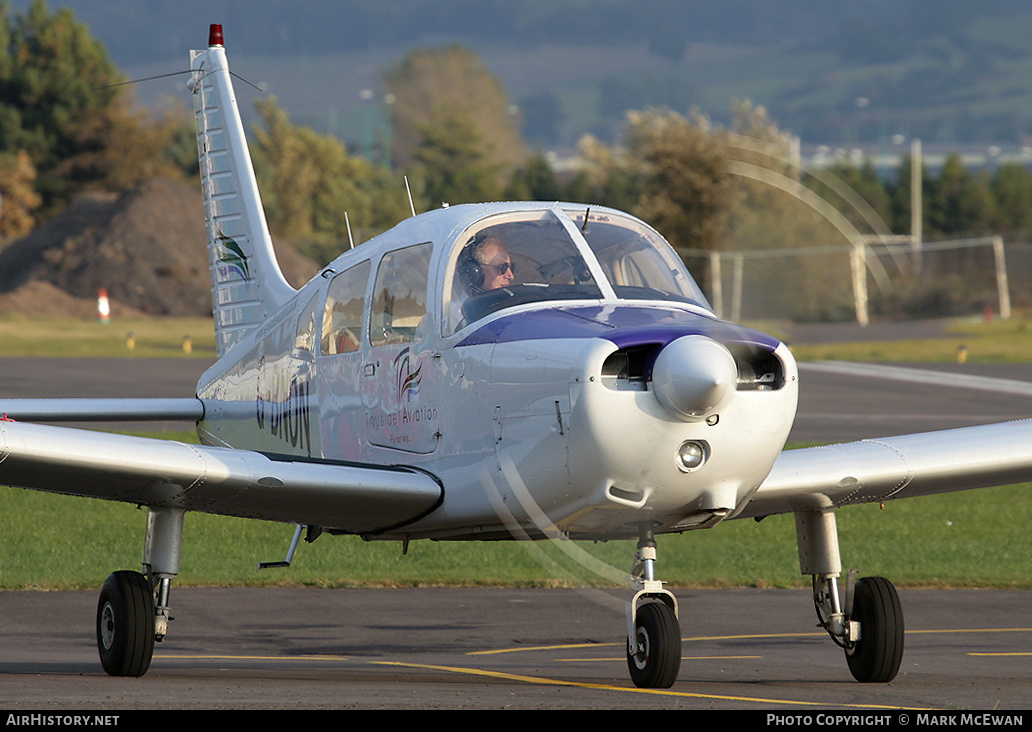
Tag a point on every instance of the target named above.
point(484, 264)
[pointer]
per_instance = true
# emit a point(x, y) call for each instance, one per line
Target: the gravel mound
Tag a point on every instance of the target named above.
point(146, 248)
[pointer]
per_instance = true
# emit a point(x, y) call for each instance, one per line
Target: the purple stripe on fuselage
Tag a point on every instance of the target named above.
point(624, 325)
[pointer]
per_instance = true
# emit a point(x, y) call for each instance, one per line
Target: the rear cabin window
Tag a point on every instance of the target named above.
point(304, 339)
point(345, 303)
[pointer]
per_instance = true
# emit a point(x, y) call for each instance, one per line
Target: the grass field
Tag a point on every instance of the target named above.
point(132, 337)
point(970, 539)
point(974, 539)
point(1000, 341)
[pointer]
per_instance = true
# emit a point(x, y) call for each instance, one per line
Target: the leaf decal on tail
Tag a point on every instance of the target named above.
point(232, 260)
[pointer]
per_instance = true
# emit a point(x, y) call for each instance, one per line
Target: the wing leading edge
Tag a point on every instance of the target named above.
point(189, 409)
point(896, 467)
point(165, 474)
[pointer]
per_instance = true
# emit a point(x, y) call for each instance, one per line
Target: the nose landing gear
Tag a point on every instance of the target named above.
point(653, 631)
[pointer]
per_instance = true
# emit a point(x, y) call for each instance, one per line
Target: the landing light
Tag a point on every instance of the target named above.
point(691, 455)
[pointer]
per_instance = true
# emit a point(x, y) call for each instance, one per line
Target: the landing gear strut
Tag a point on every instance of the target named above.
point(869, 625)
point(653, 631)
point(132, 613)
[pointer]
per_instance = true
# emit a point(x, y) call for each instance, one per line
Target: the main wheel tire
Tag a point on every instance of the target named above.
point(876, 657)
point(125, 624)
point(657, 657)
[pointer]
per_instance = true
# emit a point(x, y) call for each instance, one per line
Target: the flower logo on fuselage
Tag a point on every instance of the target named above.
point(407, 380)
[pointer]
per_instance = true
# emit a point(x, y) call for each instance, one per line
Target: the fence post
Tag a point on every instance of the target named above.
point(1001, 277)
point(858, 260)
point(716, 284)
point(736, 305)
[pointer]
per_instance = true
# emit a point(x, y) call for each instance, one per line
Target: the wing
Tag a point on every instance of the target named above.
point(157, 473)
point(896, 467)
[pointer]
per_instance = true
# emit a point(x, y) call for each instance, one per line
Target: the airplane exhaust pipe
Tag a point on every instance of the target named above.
point(693, 377)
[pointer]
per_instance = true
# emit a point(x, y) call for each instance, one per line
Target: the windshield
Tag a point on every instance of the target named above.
point(638, 263)
point(512, 260)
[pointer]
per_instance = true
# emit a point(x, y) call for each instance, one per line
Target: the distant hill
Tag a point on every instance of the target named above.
point(833, 73)
point(147, 248)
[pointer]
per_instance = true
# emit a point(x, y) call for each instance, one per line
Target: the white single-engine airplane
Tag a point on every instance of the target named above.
point(493, 371)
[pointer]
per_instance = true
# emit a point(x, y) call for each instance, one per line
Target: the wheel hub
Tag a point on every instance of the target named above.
point(107, 626)
point(641, 654)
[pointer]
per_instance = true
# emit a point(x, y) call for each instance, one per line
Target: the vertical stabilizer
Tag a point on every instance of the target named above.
point(247, 285)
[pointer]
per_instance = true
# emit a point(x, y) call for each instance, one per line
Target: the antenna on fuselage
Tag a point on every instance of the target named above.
point(408, 190)
point(347, 222)
point(587, 214)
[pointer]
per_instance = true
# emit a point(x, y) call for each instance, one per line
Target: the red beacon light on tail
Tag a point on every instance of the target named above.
point(215, 35)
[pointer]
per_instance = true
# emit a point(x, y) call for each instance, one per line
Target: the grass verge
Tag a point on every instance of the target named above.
point(1003, 341)
point(131, 337)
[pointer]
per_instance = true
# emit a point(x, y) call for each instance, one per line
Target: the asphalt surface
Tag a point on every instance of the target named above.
point(475, 648)
point(461, 648)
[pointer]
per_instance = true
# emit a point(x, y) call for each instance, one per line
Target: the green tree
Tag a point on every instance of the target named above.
point(902, 198)
point(534, 181)
point(313, 189)
point(685, 184)
point(1011, 188)
point(453, 164)
point(959, 202)
point(435, 92)
point(60, 102)
point(863, 181)
point(20, 200)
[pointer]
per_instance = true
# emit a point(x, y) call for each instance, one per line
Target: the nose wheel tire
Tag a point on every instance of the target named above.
point(125, 624)
point(656, 659)
point(876, 657)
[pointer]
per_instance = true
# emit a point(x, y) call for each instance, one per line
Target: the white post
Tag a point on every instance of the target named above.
point(916, 202)
point(858, 261)
point(1001, 277)
point(716, 284)
point(736, 305)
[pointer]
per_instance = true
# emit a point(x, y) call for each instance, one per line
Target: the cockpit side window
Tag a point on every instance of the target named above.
point(638, 263)
point(504, 263)
point(399, 296)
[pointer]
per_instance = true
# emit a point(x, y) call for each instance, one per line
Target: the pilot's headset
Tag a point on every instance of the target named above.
point(469, 269)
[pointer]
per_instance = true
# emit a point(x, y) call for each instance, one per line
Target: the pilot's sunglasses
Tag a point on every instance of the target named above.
point(503, 267)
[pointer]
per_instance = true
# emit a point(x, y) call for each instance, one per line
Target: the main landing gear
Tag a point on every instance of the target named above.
point(132, 613)
point(653, 631)
point(869, 624)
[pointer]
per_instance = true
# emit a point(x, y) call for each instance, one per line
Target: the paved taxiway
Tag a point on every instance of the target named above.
point(522, 648)
point(438, 648)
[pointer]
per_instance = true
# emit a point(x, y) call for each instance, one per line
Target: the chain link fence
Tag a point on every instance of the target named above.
point(882, 278)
